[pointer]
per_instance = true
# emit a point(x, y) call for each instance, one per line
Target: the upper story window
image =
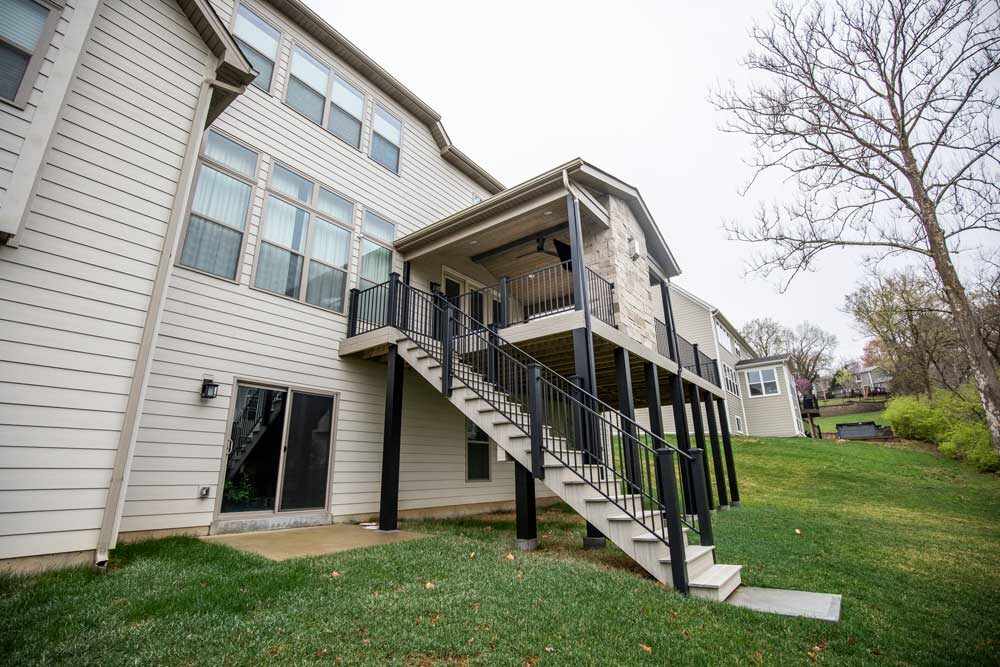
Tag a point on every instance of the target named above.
point(259, 41)
point(308, 86)
point(219, 207)
point(762, 382)
point(26, 28)
point(347, 112)
point(725, 340)
point(732, 382)
point(305, 241)
point(387, 135)
point(376, 256)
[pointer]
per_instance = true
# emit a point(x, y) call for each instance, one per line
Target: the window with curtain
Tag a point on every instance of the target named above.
point(308, 86)
point(376, 259)
point(26, 28)
point(259, 42)
point(305, 244)
point(217, 219)
point(477, 458)
point(347, 109)
point(763, 382)
point(387, 135)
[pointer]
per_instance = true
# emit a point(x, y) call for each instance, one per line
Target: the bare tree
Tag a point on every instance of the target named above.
point(765, 334)
point(883, 113)
point(810, 350)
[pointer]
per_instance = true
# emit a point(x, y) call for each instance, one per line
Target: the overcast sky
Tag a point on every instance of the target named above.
point(525, 86)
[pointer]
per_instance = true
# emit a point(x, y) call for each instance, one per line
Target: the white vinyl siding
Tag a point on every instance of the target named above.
point(74, 295)
point(770, 415)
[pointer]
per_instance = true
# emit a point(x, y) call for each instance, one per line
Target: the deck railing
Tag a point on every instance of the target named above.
point(689, 356)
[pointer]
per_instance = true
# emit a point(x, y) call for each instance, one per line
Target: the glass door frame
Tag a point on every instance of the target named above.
point(290, 390)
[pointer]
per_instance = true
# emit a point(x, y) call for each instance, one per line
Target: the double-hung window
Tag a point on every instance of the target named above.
point(387, 135)
point(259, 42)
point(477, 453)
point(731, 379)
point(219, 207)
point(347, 111)
point(26, 28)
point(763, 382)
point(305, 241)
point(376, 256)
point(308, 86)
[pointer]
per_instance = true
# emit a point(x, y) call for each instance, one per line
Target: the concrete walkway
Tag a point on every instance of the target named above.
point(822, 606)
point(314, 541)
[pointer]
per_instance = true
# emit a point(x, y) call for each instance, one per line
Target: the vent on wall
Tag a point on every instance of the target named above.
point(633, 248)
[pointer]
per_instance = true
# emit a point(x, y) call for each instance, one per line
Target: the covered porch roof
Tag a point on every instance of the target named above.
point(515, 231)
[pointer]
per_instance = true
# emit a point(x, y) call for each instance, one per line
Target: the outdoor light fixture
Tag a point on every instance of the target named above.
point(209, 388)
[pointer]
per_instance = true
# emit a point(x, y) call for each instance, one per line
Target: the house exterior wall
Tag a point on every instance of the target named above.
point(607, 254)
point(772, 415)
point(76, 291)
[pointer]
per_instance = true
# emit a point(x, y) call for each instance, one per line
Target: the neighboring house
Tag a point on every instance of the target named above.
point(248, 283)
point(872, 380)
point(761, 397)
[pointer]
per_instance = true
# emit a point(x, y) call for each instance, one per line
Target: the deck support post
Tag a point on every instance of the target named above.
point(653, 401)
point(713, 437)
point(666, 484)
point(701, 497)
point(727, 448)
point(524, 500)
point(504, 288)
point(626, 406)
point(388, 512)
point(699, 435)
point(683, 437)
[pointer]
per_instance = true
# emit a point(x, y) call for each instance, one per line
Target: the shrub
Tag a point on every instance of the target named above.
point(953, 423)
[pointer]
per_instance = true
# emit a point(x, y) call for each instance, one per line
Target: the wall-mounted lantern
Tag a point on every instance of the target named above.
point(209, 388)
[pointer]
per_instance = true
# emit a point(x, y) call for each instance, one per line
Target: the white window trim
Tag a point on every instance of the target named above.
point(777, 384)
point(37, 56)
point(204, 160)
point(362, 237)
point(314, 213)
point(371, 134)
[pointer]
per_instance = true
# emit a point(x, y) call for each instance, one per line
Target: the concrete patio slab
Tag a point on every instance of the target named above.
point(822, 606)
point(314, 541)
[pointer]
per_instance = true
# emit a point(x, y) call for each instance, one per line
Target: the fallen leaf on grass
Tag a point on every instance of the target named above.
point(812, 656)
point(472, 555)
point(550, 649)
point(509, 557)
point(336, 574)
point(430, 585)
point(798, 532)
point(647, 648)
point(531, 662)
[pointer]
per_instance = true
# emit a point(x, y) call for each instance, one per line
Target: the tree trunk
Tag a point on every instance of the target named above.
point(984, 370)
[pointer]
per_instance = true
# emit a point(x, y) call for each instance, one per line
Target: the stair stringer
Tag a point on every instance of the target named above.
point(706, 579)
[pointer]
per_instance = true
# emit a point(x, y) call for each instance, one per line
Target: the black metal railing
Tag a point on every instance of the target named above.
point(689, 356)
point(602, 298)
point(643, 475)
point(368, 309)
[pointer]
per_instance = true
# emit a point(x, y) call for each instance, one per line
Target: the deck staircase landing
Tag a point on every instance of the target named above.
point(602, 505)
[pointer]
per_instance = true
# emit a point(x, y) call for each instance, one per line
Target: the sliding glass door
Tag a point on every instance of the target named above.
point(279, 451)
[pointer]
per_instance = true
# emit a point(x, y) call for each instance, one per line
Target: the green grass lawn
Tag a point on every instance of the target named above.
point(829, 424)
point(910, 539)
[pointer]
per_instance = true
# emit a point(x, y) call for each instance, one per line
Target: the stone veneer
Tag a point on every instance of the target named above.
point(607, 254)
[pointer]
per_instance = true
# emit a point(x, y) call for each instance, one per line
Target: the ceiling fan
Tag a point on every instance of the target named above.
point(562, 251)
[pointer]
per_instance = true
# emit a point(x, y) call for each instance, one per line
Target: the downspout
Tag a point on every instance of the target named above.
point(115, 503)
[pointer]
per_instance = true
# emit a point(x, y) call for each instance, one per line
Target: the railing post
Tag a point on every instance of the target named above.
point(392, 303)
point(701, 497)
point(536, 410)
point(504, 288)
point(492, 355)
point(727, 450)
point(352, 313)
point(666, 483)
point(447, 339)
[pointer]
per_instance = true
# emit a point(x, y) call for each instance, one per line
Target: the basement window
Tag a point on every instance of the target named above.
point(477, 453)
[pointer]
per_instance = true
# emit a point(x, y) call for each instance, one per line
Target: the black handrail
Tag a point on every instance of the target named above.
point(615, 455)
point(689, 356)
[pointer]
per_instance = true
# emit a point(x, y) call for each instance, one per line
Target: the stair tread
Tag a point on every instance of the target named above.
point(604, 499)
point(691, 552)
point(716, 576)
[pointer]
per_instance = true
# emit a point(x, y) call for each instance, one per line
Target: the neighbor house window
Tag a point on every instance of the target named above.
point(763, 382)
point(26, 28)
point(347, 110)
point(217, 221)
point(305, 241)
point(259, 42)
point(387, 135)
point(739, 423)
point(732, 382)
point(477, 458)
point(376, 257)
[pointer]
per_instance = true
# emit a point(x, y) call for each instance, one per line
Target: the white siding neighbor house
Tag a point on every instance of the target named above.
point(248, 283)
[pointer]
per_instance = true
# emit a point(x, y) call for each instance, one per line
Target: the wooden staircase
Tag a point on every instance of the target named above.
point(573, 481)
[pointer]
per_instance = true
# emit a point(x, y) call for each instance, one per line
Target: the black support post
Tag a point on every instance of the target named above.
point(655, 405)
point(668, 320)
point(666, 483)
point(727, 448)
point(713, 437)
point(504, 288)
point(392, 303)
point(391, 430)
point(626, 406)
point(352, 313)
point(699, 432)
point(447, 340)
point(701, 497)
point(524, 500)
point(536, 411)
